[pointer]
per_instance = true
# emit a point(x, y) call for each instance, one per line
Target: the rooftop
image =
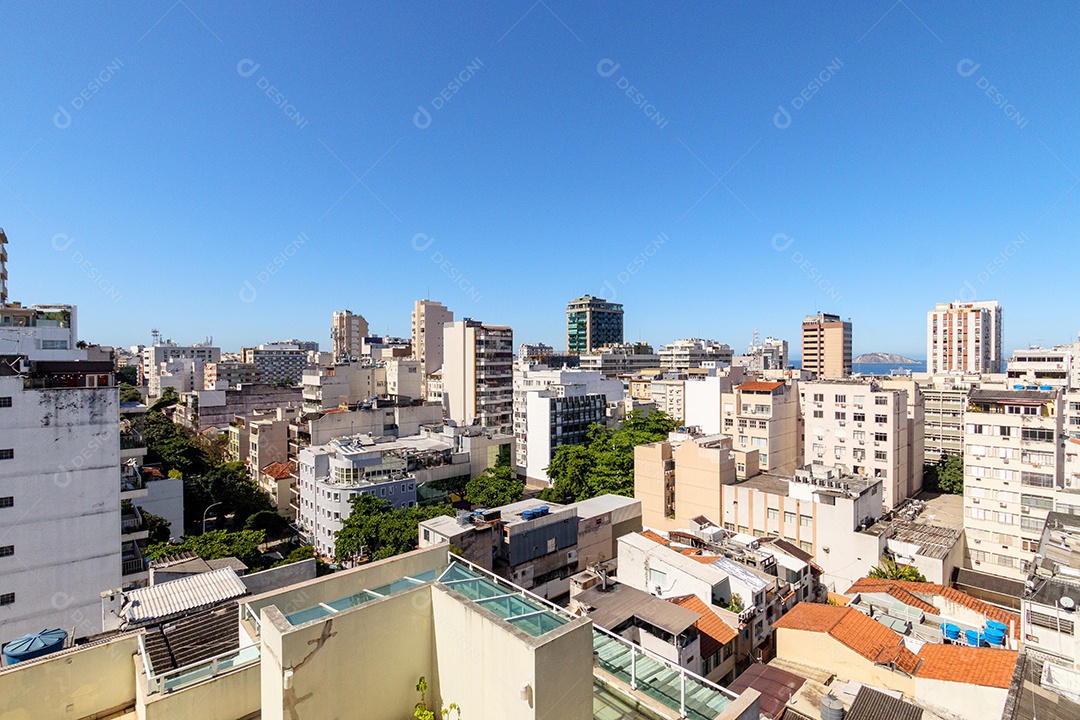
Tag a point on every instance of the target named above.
point(922, 595)
point(775, 685)
point(611, 608)
point(160, 602)
point(870, 704)
point(758, 386)
point(1011, 396)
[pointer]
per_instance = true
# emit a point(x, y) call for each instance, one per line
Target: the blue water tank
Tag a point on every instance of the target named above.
point(1046, 387)
point(33, 646)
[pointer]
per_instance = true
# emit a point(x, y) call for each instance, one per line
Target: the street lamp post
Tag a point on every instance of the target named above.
point(204, 515)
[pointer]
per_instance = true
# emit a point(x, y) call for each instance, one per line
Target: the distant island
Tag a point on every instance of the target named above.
point(883, 359)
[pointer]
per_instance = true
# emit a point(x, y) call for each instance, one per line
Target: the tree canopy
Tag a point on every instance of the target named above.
point(385, 531)
point(128, 374)
point(495, 487)
point(239, 495)
point(889, 569)
point(214, 545)
point(945, 476)
point(130, 393)
point(157, 527)
point(605, 464)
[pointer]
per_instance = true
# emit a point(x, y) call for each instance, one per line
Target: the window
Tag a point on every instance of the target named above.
point(7, 550)
point(881, 400)
point(772, 514)
point(859, 417)
point(881, 455)
point(858, 435)
point(882, 419)
point(54, 345)
point(1030, 545)
point(656, 577)
point(1037, 501)
point(1033, 434)
point(7, 599)
point(7, 454)
point(841, 415)
point(859, 400)
point(840, 451)
point(1005, 431)
point(1032, 479)
point(5, 401)
point(841, 399)
point(976, 513)
point(806, 546)
point(881, 437)
point(1005, 518)
point(1031, 524)
point(7, 501)
point(789, 517)
point(819, 413)
point(819, 397)
point(806, 520)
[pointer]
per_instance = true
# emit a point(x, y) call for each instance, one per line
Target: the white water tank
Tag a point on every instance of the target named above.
point(831, 708)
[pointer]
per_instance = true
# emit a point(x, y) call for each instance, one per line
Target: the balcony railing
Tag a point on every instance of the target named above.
point(199, 671)
point(131, 521)
point(134, 566)
point(131, 440)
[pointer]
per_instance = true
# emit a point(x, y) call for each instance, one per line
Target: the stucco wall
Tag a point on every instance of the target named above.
point(230, 696)
point(968, 702)
point(92, 681)
point(819, 650)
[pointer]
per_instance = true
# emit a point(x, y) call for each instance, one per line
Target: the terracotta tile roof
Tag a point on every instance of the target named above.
point(705, 559)
point(758, 385)
point(900, 588)
point(151, 471)
point(715, 633)
point(650, 535)
point(900, 656)
point(280, 470)
point(849, 627)
point(961, 664)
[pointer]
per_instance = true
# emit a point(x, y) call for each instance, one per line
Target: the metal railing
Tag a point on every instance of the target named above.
point(199, 671)
point(133, 566)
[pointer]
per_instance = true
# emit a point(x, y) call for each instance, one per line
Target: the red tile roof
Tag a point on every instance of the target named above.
point(902, 589)
point(848, 626)
point(280, 470)
point(650, 535)
point(975, 666)
point(757, 385)
point(715, 633)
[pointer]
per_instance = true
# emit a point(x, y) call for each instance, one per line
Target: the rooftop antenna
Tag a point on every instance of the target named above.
point(155, 335)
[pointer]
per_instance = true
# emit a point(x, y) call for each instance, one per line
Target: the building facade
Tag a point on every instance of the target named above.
point(277, 363)
point(826, 346)
point(428, 318)
point(965, 337)
point(592, 323)
point(765, 416)
point(347, 333)
point(478, 374)
point(693, 353)
point(227, 375)
point(155, 355)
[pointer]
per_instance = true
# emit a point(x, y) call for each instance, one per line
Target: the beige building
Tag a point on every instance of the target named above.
point(620, 358)
point(276, 481)
point(224, 375)
point(1013, 476)
point(478, 374)
point(965, 337)
point(826, 346)
point(945, 398)
point(268, 438)
point(347, 333)
point(428, 318)
point(679, 479)
point(692, 352)
point(864, 428)
point(765, 416)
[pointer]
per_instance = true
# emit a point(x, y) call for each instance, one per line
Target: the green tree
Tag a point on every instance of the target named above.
point(232, 486)
point(216, 544)
point(130, 393)
point(305, 552)
point(271, 522)
point(736, 604)
point(128, 374)
point(605, 464)
point(184, 455)
point(157, 526)
point(495, 487)
point(945, 476)
point(889, 569)
point(168, 397)
point(380, 528)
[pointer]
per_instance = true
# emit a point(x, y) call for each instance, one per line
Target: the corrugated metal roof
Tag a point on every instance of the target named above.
point(176, 597)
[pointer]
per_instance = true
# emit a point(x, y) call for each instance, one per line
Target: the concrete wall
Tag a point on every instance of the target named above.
point(165, 498)
point(230, 696)
point(959, 700)
point(279, 577)
point(76, 684)
point(819, 650)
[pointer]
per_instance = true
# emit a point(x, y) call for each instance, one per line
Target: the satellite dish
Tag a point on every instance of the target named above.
point(1067, 603)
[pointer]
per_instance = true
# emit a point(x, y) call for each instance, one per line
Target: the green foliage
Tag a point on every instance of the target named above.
point(736, 604)
point(269, 521)
point(945, 476)
point(385, 531)
point(129, 393)
point(172, 445)
point(422, 712)
point(157, 526)
point(168, 397)
point(214, 545)
point(889, 569)
point(239, 495)
point(127, 375)
point(495, 487)
point(605, 464)
point(305, 552)
point(174, 473)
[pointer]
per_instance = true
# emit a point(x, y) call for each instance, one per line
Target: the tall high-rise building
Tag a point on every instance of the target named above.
point(428, 318)
point(826, 346)
point(347, 333)
point(3, 268)
point(592, 323)
point(478, 374)
point(965, 338)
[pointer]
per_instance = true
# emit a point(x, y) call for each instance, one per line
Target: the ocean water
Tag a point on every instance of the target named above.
point(886, 368)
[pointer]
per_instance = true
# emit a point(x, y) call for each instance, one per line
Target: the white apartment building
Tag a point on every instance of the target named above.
point(945, 398)
point(477, 374)
point(181, 375)
point(765, 416)
point(558, 421)
point(965, 337)
point(1058, 366)
point(60, 495)
point(40, 332)
point(770, 354)
point(621, 359)
point(1013, 476)
point(347, 333)
point(703, 398)
point(863, 428)
point(277, 362)
point(226, 375)
point(343, 384)
point(428, 318)
point(331, 475)
point(154, 355)
point(692, 352)
point(1048, 612)
point(404, 378)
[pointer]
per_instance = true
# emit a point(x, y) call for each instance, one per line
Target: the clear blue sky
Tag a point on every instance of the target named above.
point(149, 178)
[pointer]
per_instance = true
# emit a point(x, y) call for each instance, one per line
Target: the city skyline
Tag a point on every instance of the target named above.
point(869, 163)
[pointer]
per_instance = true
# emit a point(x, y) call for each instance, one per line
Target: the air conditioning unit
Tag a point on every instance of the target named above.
point(1025, 510)
point(859, 423)
point(975, 500)
point(842, 423)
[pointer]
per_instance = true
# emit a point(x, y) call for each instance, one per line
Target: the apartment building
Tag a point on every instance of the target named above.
point(864, 428)
point(155, 355)
point(826, 346)
point(277, 363)
point(268, 437)
point(693, 352)
point(770, 354)
point(765, 416)
point(204, 409)
point(379, 348)
point(1013, 476)
point(180, 374)
point(555, 407)
point(1052, 589)
point(342, 385)
point(227, 375)
point(965, 337)
point(347, 333)
point(592, 323)
point(945, 398)
point(40, 332)
point(478, 374)
point(428, 318)
point(620, 359)
point(404, 378)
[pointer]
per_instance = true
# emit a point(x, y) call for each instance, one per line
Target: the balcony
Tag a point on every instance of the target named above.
point(132, 440)
point(133, 562)
point(131, 521)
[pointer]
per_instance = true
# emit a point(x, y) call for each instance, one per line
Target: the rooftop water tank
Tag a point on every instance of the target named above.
point(33, 646)
point(831, 708)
